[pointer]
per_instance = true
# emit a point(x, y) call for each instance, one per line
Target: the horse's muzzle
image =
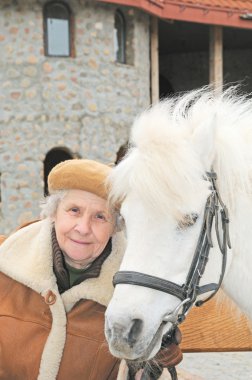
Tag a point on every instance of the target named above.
point(124, 338)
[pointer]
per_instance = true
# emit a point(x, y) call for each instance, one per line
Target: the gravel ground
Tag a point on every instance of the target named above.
point(216, 366)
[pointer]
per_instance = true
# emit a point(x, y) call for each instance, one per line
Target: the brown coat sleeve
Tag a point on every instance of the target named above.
point(114, 372)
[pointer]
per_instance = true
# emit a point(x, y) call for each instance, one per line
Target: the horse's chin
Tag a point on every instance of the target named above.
point(139, 352)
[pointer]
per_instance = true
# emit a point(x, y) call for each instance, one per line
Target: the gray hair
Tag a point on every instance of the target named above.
point(50, 204)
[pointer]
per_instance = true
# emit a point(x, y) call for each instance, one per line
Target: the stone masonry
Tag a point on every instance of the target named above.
point(84, 103)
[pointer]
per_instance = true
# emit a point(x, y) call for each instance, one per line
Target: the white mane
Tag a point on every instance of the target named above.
point(165, 160)
point(163, 189)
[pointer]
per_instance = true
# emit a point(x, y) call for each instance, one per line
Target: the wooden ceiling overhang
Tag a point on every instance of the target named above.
point(223, 12)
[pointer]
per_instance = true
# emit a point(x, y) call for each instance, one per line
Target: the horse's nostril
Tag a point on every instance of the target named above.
point(135, 331)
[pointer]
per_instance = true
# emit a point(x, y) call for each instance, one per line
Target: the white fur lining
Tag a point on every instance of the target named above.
point(53, 350)
point(26, 256)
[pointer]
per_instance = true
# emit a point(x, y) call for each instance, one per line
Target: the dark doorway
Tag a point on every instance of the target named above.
point(184, 56)
point(122, 152)
point(165, 87)
point(54, 157)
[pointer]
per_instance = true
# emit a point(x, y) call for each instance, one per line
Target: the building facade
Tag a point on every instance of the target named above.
point(73, 76)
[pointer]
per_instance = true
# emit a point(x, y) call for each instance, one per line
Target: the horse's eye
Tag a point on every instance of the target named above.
point(187, 221)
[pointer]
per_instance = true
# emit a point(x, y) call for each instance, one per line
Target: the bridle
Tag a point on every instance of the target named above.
point(215, 209)
point(187, 293)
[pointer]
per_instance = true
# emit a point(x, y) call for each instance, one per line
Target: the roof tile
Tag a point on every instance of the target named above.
point(240, 5)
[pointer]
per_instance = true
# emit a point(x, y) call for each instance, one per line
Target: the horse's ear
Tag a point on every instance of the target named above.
point(203, 140)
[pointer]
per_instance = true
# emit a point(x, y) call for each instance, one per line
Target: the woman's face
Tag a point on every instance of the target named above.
point(83, 227)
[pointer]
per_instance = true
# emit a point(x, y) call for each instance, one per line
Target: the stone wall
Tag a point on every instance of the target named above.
point(85, 103)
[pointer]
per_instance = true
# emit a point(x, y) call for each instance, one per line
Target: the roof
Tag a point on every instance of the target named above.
point(241, 5)
point(233, 13)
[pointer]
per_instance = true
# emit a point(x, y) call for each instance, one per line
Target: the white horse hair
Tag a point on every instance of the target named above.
point(161, 186)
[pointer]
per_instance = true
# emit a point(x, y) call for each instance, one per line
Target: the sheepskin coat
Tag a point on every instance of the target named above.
point(45, 335)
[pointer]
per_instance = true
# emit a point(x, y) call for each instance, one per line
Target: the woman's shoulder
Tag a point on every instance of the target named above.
point(25, 233)
point(4, 237)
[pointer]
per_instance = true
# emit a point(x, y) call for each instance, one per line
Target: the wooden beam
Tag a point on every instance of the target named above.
point(216, 58)
point(154, 77)
point(218, 325)
point(193, 11)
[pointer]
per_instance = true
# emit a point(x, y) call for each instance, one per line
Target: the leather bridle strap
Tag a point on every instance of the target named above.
point(200, 258)
point(148, 281)
point(189, 291)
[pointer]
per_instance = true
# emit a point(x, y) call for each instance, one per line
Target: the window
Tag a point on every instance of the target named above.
point(57, 27)
point(120, 37)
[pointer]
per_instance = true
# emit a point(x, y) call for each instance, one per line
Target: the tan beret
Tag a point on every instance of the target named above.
point(80, 174)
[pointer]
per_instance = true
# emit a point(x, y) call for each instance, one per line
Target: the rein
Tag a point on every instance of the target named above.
point(215, 212)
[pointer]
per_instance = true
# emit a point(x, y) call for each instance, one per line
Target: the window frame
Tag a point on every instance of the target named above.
point(70, 29)
point(118, 13)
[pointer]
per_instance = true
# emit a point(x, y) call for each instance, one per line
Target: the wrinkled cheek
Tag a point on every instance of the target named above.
point(103, 237)
point(97, 249)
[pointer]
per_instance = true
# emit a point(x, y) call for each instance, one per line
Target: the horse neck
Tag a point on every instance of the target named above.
point(238, 281)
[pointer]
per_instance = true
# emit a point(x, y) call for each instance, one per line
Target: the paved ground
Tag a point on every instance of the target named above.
point(216, 366)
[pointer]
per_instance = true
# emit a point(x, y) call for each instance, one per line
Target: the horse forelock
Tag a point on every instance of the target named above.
point(163, 167)
point(160, 193)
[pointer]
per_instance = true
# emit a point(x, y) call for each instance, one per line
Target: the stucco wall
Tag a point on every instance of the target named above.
point(86, 103)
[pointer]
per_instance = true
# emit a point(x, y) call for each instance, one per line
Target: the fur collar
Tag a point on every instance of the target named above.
point(26, 256)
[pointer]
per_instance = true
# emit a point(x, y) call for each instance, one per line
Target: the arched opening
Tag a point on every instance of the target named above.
point(54, 157)
point(120, 37)
point(121, 152)
point(57, 29)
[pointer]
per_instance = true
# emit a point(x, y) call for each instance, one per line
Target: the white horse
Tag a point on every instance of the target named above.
point(163, 186)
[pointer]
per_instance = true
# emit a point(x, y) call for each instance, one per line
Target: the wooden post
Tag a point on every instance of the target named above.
point(154, 77)
point(216, 58)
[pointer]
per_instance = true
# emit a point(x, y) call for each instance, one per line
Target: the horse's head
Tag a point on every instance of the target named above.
point(163, 190)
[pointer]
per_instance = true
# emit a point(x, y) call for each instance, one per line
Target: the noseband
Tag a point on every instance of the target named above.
point(215, 209)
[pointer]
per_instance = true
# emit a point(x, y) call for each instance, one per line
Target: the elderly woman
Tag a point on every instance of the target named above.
point(56, 280)
point(56, 277)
